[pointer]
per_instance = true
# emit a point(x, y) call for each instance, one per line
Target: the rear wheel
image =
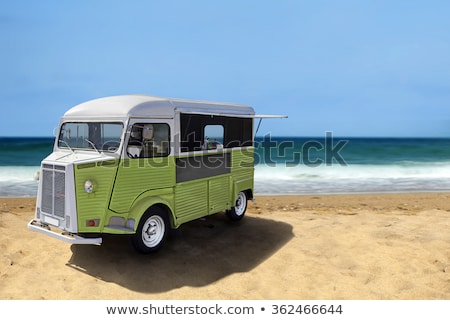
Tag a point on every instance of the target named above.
point(237, 212)
point(152, 231)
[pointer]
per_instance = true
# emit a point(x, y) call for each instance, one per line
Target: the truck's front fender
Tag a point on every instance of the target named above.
point(160, 197)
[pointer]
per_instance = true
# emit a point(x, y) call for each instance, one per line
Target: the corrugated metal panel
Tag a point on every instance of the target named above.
point(136, 176)
point(219, 194)
point(243, 159)
point(191, 199)
point(243, 164)
point(93, 205)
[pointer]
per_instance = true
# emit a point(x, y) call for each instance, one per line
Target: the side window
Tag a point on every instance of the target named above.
point(149, 140)
point(200, 132)
point(213, 137)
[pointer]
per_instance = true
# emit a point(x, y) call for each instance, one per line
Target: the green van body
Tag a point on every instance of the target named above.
point(109, 173)
point(125, 190)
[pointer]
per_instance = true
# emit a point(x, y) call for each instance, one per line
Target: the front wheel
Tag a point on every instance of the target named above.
point(237, 212)
point(152, 231)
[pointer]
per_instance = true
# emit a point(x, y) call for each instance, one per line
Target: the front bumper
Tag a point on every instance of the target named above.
point(63, 235)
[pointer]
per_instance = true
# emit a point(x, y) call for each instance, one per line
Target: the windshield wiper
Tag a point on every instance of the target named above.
point(67, 145)
point(92, 144)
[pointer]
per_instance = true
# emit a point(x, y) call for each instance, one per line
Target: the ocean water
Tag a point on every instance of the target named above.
point(289, 165)
point(330, 165)
point(20, 159)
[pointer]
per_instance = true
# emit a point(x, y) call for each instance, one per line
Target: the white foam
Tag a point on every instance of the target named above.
point(353, 178)
point(18, 174)
point(355, 171)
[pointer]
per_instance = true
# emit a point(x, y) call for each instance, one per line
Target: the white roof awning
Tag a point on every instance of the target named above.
point(268, 116)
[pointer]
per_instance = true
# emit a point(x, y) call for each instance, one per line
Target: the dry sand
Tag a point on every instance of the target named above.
point(386, 246)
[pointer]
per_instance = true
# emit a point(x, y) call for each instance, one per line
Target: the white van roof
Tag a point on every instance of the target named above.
point(146, 106)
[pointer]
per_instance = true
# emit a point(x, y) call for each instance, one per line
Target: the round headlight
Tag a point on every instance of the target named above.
point(88, 186)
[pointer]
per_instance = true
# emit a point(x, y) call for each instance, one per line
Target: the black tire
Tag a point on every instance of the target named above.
point(237, 212)
point(152, 231)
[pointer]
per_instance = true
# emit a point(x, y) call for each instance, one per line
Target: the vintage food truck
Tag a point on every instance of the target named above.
point(141, 165)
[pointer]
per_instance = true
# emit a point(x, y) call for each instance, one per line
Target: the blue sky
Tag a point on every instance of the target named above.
point(356, 68)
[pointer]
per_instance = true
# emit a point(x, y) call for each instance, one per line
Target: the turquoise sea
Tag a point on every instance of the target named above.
point(289, 165)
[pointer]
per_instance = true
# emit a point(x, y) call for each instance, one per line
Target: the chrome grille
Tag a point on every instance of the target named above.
point(53, 190)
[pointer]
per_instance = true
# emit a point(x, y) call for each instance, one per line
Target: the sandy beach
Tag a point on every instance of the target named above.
point(378, 246)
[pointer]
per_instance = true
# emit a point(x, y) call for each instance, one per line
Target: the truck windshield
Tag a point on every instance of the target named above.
point(99, 136)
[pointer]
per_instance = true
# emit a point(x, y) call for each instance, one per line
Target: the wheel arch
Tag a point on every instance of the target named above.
point(248, 193)
point(244, 185)
point(144, 204)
